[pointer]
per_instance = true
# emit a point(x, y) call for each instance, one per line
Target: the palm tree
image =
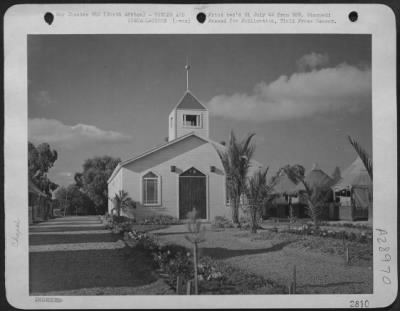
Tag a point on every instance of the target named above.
point(236, 161)
point(121, 201)
point(364, 156)
point(367, 161)
point(257, 192)
point(314, 196)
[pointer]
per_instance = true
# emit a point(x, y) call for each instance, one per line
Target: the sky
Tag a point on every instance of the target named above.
point(94, 95)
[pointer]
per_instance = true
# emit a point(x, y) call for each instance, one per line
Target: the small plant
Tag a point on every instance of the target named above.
point(122, 201)
point(195, 237)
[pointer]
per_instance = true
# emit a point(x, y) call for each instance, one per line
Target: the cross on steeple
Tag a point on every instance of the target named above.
point(187, 68)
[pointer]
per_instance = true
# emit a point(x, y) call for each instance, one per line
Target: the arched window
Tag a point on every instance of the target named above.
point(151, 189)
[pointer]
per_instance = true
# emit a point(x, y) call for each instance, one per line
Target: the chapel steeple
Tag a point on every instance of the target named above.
point(187, 68)
point(189, 115)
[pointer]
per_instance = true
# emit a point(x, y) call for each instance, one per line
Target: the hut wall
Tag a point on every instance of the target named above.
point(345, 212)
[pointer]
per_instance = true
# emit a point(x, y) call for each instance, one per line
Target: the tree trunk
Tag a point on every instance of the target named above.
point(235, 211)
point(253, 219)
point(313, 213)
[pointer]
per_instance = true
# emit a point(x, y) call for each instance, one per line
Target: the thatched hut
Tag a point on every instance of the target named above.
point(354, 192)
point(317, 180)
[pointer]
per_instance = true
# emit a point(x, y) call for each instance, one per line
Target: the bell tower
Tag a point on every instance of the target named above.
point(189, 115)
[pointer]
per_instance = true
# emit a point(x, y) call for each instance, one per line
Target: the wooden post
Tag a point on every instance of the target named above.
point(347, 255)
point(294, 279)
point(196, 289)
point(188, 287)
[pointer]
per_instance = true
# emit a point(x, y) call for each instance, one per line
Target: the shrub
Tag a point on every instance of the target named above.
point(142, 240)
point(121, 219)
point(159, 220)
point(222, 222)
point(207, 270)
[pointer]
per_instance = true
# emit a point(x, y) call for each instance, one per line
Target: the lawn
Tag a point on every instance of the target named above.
point(70, 270)
point(319, 261)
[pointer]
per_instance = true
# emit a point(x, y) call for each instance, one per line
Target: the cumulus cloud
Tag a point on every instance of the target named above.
point(312, 61)
point(53, 131)
point(303, 94)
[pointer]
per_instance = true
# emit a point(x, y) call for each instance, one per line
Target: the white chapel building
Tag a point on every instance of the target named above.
point(184, 173)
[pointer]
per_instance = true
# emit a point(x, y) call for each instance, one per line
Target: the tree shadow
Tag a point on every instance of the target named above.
point(224, 253)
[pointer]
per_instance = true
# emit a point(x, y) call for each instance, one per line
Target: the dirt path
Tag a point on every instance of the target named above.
point(78, 255)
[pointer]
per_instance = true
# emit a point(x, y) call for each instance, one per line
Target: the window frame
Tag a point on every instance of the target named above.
point(143, 186)
point(198, 115)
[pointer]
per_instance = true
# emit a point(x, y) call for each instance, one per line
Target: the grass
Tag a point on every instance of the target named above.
point(55, 271)
point(359, 252)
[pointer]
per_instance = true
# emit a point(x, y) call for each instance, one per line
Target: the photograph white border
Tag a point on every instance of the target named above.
point(21, 20)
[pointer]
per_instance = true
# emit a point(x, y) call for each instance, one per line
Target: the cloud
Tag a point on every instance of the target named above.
point(53, 131)
point(65, 174)
point(43, 98)
point(312, 61)
point(343, 88)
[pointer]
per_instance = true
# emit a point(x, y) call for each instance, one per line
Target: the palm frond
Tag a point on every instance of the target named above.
point(364, 156)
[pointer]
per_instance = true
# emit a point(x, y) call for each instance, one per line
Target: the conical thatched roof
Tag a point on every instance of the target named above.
point(284, 185)
point(355, 175)
point(316, 178)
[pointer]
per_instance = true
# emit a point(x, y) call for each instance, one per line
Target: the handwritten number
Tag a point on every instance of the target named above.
point(388, 271)
point(381, 240)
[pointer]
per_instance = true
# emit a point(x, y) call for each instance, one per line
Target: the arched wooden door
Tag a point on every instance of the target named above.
point(192, 193)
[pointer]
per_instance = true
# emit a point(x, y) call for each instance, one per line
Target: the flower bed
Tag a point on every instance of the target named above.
point(214, 277)
point(361, 237)
point(122, 224)
point(158, 220)
point(348, 225)
point(221, 222)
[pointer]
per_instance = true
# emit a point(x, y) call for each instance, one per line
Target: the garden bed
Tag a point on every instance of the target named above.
point(215, 278)
point(121, 224)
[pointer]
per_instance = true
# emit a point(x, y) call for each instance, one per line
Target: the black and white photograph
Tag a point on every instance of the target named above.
point(201, 164)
